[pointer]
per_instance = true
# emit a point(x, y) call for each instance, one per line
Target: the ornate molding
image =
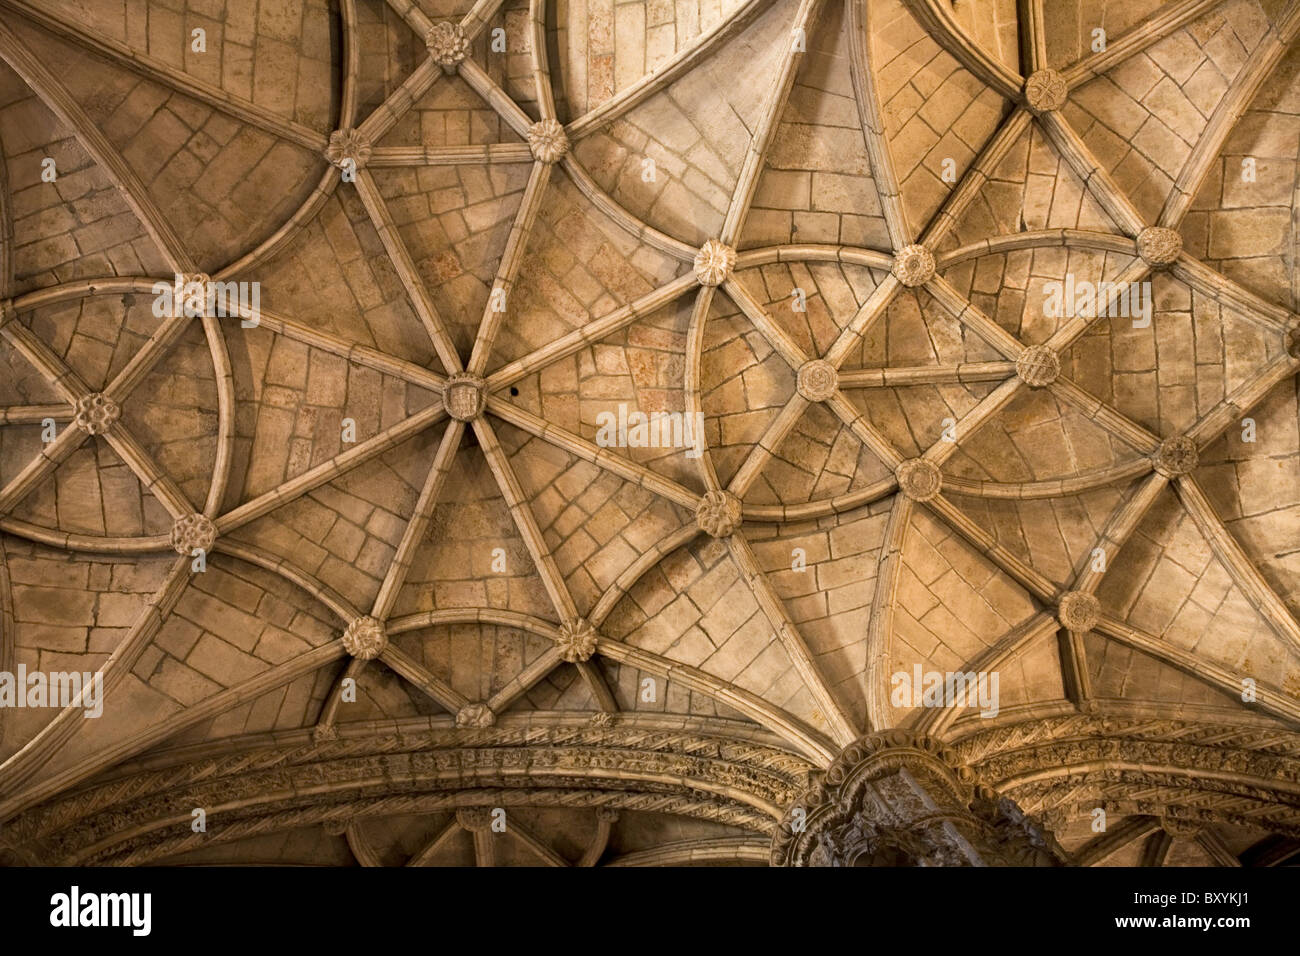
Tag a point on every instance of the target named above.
point(143, 815)
point(1203, 772)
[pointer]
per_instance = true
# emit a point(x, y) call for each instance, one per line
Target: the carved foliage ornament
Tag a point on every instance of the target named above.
point(365, 638)
point(577, 641)
point(347, 144)
point(548, 141)
point(718, 514)
point(447, 43)
point(913, 266)
point(817, 380)
point(714, 262)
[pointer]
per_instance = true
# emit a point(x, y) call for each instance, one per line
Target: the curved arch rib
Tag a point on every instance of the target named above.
point(808, 741)
point(27, 65)
point(154, 69)
point(936, 18)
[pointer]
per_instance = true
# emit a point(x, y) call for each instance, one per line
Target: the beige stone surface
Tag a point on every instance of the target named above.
point(662, 387)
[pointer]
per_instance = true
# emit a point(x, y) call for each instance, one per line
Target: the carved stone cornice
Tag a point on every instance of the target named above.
point(1124, 792)
point(1261, 739)
point(737, 782)
point(1203, 772)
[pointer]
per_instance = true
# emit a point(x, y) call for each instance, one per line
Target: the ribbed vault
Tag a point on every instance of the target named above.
point(431, 589)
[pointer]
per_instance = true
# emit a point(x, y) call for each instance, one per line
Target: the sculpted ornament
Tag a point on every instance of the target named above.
point(1178, 827)
point(190, 294)
point(1176, 456)
point(919, 479)
point(192, 533)
point(718, 514)
point(448, 44)
point(475, 716)
point(325, 734)
point(714, 262)
point(1078, 611)
point(817, 380)
point(901, 799)
point(96, 413)
point(1038, 366)
point(577, 641)
point(365, 638)
point(347, 144)
point(475, 819)
point(464, 396)
point(548, 141)
point(913, 266)
point(1159, 246)
point(1046, 90)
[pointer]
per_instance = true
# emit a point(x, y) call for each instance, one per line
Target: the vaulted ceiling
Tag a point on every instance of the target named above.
point(429, 588)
